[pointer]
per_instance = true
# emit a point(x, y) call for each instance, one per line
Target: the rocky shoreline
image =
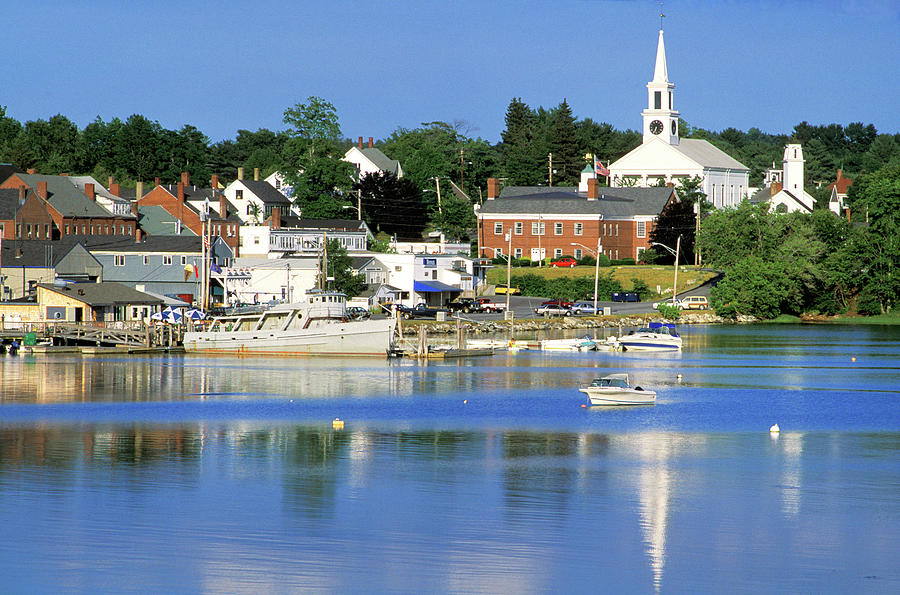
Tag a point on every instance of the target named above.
point(411, 328)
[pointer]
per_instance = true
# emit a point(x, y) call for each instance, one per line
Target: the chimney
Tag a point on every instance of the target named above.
point(89, 191)
point(215, 182)
point(840, 175)
point(110, 182)
point(360, 142)
point(370, 142)
point(42, 190)
point(185, 179)
point(23, 190)
point(593, 189)
point(139, 191)
point(256, 174)
point(223, 206)
point(240, 173)
point(493, 188)
point(156, 181)
point(31, 171)
point(276, 218)
point(180, 193)
point(775, 188)
point(64, 175)
point(115, 190)
point(138, 235)
point(134, 208)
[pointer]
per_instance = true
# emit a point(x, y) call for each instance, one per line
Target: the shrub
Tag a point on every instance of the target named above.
point(640, 287)
point(669, 312)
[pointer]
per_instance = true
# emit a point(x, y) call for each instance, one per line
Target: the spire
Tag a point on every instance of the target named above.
point(660, 74)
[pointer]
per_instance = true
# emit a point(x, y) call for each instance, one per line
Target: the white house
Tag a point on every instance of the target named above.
point(371, 160)
point(664, 156)
point(254, 200)
point(259, 280)
point(783, 188)
point(290, 235)
point(431, 278)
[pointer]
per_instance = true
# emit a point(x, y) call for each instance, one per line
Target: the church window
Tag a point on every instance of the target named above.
point(498, 229)
point(617, 232)
point(657, 100)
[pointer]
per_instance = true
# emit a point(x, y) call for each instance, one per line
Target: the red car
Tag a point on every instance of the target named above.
point(564, 262)
point(563, 303)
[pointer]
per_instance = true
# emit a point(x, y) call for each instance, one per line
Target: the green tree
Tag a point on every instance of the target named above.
point(455, 218)
point(568, 160)
point(751, 287)
point(520, 159)
point(314, 165)
point(678, 219)
point(339, 266)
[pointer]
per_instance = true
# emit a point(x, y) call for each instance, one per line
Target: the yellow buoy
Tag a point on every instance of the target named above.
point(852, 359)
point(338, 424)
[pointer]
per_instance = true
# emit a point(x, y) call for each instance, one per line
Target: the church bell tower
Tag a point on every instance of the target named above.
point(660, 117)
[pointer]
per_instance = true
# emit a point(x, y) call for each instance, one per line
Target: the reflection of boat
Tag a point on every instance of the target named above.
point(318, 325)
point(585, 343)
point(614, 389)
point(657, 335)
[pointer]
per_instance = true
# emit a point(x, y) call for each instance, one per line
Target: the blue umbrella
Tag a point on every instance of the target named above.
point(194, 314)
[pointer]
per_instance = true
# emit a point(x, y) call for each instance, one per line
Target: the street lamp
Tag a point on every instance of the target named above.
point(674, 252)
point(596, 266)
point(508, 269)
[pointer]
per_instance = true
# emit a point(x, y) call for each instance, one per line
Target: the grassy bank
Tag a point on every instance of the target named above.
point(654, 276)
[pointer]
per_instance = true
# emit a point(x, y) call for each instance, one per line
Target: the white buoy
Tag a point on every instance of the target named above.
point(774, 429)
point(679, 377)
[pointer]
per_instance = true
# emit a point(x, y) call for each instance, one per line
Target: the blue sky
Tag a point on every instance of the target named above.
point(224, 66)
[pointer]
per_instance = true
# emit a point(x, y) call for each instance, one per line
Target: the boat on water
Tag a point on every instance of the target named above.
point(655, 336)
point(614, 389)
point(585, 343)
point(317, 325)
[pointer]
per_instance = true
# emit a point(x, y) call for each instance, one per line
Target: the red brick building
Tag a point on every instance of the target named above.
point(549, 222)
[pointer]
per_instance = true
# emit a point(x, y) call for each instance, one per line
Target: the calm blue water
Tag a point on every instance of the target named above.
point(225, 475)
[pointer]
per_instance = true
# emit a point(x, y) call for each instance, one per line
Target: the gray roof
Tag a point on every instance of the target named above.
point(707, 154)
point(157, 221)
point(65, 197)
point(613, 202)
point(9, 203)
point(195, 194)
point(382, 161)
point(266, 192)
point(103, 294)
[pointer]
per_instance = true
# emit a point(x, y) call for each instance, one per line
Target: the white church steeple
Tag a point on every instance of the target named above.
point(660, 117)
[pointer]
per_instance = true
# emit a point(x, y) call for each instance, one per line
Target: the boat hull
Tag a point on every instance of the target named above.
point(353, 338)
point(619, 396)
point(648, 345)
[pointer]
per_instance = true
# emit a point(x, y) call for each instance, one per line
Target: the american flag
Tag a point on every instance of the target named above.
point(599, 169)
point(206, 242)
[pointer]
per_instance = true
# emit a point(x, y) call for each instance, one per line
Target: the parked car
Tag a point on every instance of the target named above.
point(564, 262)
point(694, 302)
point(420, 311)
point(557, 302)
point(625, 296)
point(553, 310)
point(669, 302)
point(487, 305)
point(358, 313)
point(465, 304)
point(584, 308)
point(503, 289)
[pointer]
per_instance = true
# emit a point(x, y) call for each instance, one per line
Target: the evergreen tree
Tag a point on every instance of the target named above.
point(520, 160)
point(568, 160)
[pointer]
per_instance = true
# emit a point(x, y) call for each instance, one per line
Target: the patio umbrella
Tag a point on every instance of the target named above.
point(194, 314)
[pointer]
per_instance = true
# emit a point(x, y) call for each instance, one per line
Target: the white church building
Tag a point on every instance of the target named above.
point(783, 188)
point(664, 157)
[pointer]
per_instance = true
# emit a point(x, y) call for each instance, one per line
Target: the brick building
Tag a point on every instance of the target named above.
point(549, 222)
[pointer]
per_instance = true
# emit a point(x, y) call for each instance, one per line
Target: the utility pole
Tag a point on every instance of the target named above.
point(462, 184)
point(437, 182)
point(697, 234)
point(550, 168)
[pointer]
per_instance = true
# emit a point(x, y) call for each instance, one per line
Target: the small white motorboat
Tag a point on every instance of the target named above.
point(585, 343)
point(614, 389)
point(656, 336)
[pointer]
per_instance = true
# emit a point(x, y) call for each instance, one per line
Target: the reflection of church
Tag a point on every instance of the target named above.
point(664, 157)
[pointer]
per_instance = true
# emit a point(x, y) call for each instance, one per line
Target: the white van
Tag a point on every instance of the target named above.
point(694, 302)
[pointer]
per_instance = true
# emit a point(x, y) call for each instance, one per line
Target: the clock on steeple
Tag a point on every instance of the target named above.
point(660, 117)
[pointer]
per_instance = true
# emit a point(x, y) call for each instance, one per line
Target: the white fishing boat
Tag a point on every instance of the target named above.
point(317, 325)
point(579, 344)
point(614, 389)
point(654, 337)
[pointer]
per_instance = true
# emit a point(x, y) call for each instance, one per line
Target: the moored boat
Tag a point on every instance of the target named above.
point(317, 325)
point(614, 389)
point(585, 343)
point(655, 336)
